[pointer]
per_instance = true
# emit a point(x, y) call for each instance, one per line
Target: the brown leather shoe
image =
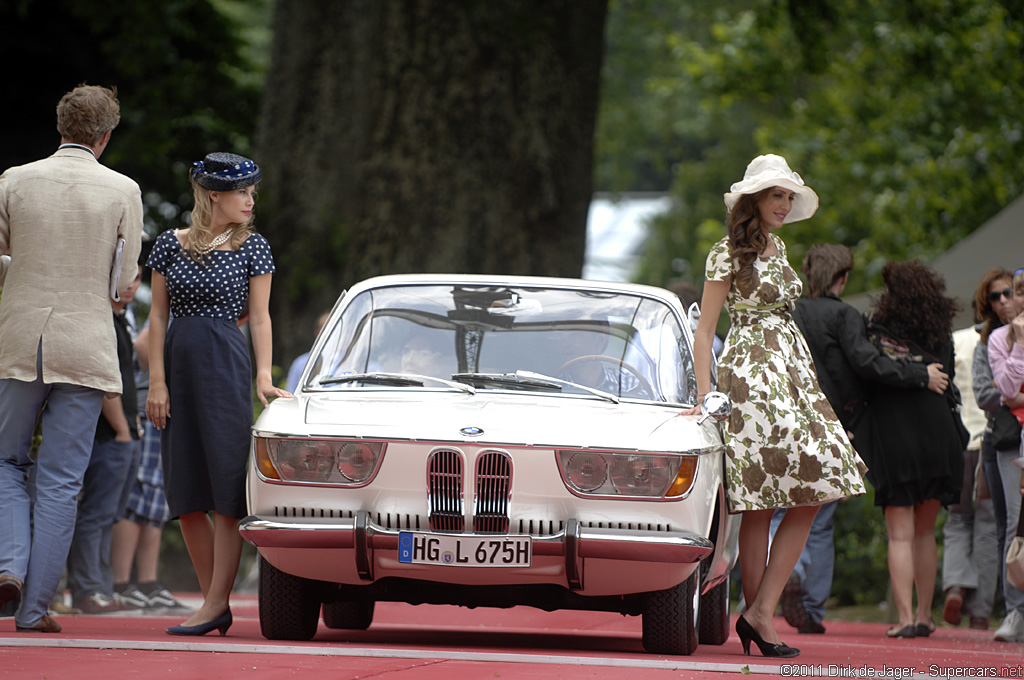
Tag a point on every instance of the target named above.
point(45, 625)
point(951, 612)
point(979, 623)
point(9, 588)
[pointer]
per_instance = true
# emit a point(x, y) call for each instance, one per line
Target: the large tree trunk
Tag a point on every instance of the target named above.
point(424, 136)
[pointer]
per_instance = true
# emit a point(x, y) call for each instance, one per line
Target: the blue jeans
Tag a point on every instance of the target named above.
point(1010, 474)
point(815, 573)
point(36, 536)
point(112, 467)
point(990, 462)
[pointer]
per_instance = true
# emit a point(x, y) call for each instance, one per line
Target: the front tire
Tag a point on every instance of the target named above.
point(289, 605)
point(670, 618)
point(714, 615)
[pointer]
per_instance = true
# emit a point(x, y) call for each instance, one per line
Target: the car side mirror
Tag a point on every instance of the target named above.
point(693, 315)
point(715, 405)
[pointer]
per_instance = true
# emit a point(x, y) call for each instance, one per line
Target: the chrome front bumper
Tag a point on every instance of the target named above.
point(574, 544)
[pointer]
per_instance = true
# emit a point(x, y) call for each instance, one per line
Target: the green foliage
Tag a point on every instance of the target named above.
point(861, 574)
point(903, 116)
point(185, 86)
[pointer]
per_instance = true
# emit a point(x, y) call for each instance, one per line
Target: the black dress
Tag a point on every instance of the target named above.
point(847, 362)
point(916, 453)
point(205, 446)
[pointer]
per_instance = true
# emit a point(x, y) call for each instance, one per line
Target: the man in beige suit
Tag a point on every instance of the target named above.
point(60, 221)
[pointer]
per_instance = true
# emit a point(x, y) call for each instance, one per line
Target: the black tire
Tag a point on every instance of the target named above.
point(348, 615)
point(289, 605)
point(670, 617)
point(713, 628)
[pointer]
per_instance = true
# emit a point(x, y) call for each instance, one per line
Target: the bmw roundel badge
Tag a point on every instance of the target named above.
point(471, 431)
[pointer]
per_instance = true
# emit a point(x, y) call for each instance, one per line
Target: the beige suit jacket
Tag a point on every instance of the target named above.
point(60, 219)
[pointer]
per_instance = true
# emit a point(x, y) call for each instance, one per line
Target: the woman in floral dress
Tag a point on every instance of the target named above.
point(785, 446)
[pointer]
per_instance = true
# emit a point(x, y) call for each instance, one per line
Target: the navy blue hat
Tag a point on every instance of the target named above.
point(225, 172)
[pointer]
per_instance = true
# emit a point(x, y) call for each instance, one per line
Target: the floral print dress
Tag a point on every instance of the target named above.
point(784, 444)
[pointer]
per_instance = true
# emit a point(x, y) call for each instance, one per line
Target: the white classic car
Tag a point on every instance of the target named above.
point(491, 442)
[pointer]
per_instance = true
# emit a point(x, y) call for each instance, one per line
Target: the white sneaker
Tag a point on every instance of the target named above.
point(1011, 629)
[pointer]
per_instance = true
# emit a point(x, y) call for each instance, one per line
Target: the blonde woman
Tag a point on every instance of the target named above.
point(200, 375)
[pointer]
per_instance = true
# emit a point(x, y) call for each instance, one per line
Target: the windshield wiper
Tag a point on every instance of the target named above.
point(558, 381)
point(393, 380)
point(512, 380)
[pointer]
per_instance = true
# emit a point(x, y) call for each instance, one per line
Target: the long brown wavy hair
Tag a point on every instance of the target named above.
point(914, 305)
point(983, 312)
point(747, 238)
point(202, 217)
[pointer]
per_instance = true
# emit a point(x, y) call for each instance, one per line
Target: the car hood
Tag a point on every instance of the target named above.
point(492, 418)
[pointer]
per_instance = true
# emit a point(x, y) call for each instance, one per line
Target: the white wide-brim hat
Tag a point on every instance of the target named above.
point(772, 171)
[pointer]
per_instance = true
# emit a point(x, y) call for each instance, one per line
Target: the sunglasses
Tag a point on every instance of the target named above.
point(996, 294)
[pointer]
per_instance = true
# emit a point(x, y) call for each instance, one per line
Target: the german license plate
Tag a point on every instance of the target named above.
point(464, 551)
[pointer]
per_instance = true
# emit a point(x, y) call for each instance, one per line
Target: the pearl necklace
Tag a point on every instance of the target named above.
point(202, 249)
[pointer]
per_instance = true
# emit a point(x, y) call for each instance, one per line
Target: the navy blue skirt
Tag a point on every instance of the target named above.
point(205, 446)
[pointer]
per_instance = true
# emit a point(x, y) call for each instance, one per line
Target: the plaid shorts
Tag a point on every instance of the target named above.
point(146, 501)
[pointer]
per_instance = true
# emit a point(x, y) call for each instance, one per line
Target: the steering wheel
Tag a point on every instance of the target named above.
point(643, 386)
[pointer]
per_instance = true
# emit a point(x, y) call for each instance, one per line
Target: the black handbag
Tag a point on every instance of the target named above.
point(955, 405)
point(1005, 429)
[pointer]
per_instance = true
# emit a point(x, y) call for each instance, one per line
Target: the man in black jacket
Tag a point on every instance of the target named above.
point(846, 361)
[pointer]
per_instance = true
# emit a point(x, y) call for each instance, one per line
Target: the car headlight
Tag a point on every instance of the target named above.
point(319, 461)
point(627, 475)
point(586, 471)
point(357, 461)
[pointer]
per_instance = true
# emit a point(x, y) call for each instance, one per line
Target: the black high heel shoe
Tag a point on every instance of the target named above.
point(221, 623)
point(748, 634)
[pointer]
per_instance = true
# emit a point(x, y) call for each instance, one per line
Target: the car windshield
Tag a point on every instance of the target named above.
point(546, 340)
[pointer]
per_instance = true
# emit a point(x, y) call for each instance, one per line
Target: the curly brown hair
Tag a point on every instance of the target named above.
point(914, 304)
point(983, 312)
point(747, 238)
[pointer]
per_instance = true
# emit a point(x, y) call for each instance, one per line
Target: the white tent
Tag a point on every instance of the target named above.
point(617, 229)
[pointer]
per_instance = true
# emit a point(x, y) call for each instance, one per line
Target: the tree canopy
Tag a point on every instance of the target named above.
point(903, 115)
point(186, 85)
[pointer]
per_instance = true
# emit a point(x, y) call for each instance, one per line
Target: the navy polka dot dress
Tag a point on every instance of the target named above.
point(205, 445)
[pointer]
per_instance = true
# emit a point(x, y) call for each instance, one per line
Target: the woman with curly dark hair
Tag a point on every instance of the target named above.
point(916, 463)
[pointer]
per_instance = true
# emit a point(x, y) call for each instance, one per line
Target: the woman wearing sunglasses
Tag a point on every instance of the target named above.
point(1006, 357)
point(973, 532)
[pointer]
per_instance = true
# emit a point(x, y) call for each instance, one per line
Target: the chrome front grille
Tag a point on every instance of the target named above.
point(493, 489)
point(444, 491)
point(491, 492)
